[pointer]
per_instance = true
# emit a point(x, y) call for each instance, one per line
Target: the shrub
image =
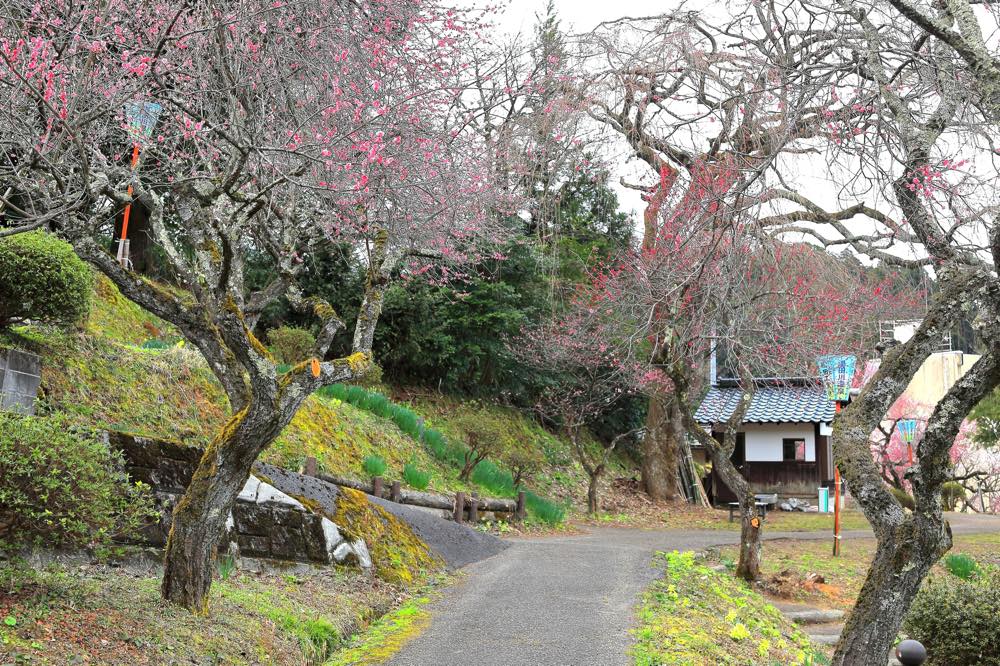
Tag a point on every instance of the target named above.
point(904, 498)
point(523, 458)
point(956, 620)
point(415, 478)
point(374, 465)
point(484, 437)
point(951, 493)
point(63, 487)
point(291, 345)
point(43, 280)
point(961, 565)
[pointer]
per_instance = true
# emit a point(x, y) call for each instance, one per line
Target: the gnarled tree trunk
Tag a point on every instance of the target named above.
point(908, 543)
point(902, 560)
point(200, 517)
point(660, 448)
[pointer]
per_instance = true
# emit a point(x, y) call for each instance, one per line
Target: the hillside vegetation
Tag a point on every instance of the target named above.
point(128, 371)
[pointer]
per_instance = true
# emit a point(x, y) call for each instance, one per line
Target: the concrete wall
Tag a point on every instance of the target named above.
point(936, 376)
point(764, 440)
point(264, 523)
point(20, 377)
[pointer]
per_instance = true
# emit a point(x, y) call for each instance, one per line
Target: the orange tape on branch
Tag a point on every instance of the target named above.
point(314, 364)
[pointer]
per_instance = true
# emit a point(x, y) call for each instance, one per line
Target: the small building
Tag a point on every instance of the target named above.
point(783, 445)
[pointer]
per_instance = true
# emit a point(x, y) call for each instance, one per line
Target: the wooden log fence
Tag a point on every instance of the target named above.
point(470, 506)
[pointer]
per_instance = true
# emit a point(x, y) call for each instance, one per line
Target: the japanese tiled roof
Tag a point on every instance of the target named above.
point(771, 404)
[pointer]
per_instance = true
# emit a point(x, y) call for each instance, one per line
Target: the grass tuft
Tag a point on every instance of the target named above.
point(374, 465)
point(961, 565)
point(416, 478)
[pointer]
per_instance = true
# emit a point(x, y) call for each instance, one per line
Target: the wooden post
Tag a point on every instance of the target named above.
point(459, 507)
point(310, 467)
point(519, 513)
point(474, 509)
point(836, 504)
point(377, 486)
point(394, 491)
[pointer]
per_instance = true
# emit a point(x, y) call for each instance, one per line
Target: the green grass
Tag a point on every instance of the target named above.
point(487, 474)
point(384, 638)
point(374, 465)
point(961, 565)
point(69, 615)
point(696, 616)
point(416, 478)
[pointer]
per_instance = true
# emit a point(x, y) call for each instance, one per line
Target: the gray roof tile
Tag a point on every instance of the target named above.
point(771, 404)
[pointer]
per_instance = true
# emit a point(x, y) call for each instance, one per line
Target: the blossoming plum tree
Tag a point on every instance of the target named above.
point(283, 126)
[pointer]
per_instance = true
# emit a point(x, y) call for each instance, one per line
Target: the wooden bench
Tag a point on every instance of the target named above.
point(735, 506)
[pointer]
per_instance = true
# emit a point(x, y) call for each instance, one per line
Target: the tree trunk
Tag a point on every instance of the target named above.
point(748, 568)
point(660, 447)
point(471, 460)
point(139, 232)
point(201, 515)
point(593, 503)
point(893, 580)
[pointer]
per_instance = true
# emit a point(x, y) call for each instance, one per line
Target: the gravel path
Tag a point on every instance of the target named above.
point(566, 600)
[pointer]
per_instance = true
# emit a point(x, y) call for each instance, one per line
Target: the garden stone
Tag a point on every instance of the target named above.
point(250, 488)
point(268, 494)
point(356, 550)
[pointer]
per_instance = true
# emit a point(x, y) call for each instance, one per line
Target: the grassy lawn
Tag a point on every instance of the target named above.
point(697, 616)
point(787, 563)
point(102, 615)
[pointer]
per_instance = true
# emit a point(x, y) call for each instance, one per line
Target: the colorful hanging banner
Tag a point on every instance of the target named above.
point(837, 373)
point(140, 118)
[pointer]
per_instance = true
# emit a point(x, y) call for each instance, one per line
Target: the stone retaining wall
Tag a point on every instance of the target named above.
point(264, 523)
point(20, 377)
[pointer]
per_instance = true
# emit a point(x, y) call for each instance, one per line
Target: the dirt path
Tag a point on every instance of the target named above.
point(565, 600)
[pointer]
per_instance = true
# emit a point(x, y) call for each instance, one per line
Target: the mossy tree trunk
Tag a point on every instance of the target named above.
point(721, 453)
point(217, 316)
point(660, 448)
point(199, 519)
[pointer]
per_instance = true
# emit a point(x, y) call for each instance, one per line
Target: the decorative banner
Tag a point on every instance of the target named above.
point(907, 429)
point(837, 373)
point(140, 118)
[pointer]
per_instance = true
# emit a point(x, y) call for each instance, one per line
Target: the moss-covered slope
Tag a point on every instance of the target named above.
point(127, 370)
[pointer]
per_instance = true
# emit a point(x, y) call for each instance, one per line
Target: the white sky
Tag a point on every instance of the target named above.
point(580, 16)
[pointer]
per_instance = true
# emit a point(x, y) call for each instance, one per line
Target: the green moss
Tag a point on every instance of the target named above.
point(397, 553)
point(387, 636)
point(116, 318)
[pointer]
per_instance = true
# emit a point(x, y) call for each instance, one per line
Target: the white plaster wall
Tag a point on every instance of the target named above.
point(763, 440)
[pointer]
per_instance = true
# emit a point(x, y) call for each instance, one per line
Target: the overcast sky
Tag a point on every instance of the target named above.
point(580, 16)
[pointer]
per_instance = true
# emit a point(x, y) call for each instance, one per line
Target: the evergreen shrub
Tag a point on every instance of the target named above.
point(61, 486)
point(43, 280)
